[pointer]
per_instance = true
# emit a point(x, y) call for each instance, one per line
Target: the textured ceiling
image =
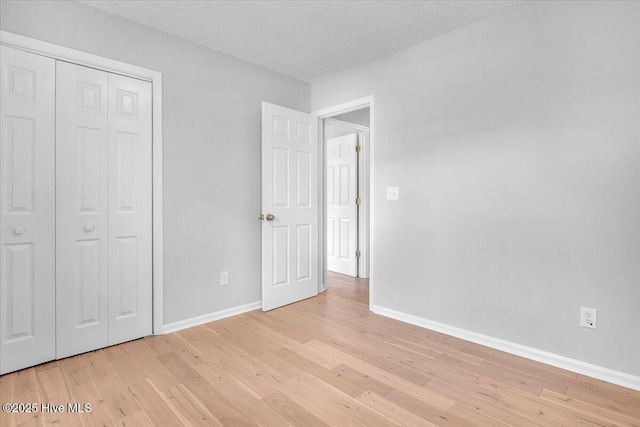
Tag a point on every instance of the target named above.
point(307, 40)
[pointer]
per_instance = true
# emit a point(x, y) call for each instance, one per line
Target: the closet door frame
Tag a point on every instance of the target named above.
point(74, 56)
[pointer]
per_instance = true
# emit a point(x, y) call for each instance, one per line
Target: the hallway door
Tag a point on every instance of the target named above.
point(342, 207)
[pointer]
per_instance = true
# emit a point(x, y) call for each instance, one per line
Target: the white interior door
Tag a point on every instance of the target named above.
point(290, 206)
point(27, 210)
point(130, 189)
point(82, 275)
point(342, 210)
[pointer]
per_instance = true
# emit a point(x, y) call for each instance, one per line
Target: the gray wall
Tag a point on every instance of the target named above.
point(515, 142)
point(359, 117)
point(211, 105)
point(334, 131)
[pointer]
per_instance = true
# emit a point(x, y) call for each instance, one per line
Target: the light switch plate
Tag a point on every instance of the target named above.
point(392, 193)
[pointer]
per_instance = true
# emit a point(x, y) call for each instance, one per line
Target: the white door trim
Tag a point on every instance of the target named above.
point(62, 53)
point(356, 104)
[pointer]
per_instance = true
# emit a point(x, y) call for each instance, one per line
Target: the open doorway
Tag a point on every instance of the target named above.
point(346, 135)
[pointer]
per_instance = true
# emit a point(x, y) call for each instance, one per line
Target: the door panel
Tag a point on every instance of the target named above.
point(281, 253)
point(19, 266)
point(27, 209)
point(81, 208)
point(342, 213)
point(303, 181)
point(303, 249)
point(129, 182)
point(289, 192)
point(280, 178)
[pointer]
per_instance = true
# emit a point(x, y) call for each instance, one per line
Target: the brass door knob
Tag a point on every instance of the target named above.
point(270, 217)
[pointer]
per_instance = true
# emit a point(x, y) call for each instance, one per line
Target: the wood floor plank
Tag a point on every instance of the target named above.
point(261, 381)
point(329, 377)
point(118, 397)
point(615, 403)
point(471, 394)
point(137, 419)
point(472, 415)
point(314, 403)
point(482, 399)
point(428, 412)
point(540, 410)
point(24, 381)
point(211, 397)
point(128, 368)
point(189, 409)
point(392, 411)
point(292, 411)
point(241, 396)
point(326, 399)
point(588, 411)
point(359, 382)
point(516, 362)
point(153, 404)
point(160, 376)
point(615, 392)
point(98, 414)
point(325, 361)
point(381, 358)
point(24, 418)
point(391, 380)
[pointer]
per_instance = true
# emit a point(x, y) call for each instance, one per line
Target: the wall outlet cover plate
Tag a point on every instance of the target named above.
point(393, 193)
point(588, 317)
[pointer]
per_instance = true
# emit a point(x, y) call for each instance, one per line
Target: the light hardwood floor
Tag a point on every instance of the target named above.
point(326, 361)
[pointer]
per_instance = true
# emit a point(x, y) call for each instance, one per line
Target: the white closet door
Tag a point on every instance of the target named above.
point(27, 210)
point(130, 262)
point(82, 252)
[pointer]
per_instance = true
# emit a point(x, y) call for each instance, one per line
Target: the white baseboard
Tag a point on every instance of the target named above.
point(595, 371)
point(210, 317)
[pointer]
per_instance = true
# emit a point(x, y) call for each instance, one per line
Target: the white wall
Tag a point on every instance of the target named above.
point(211, 105)
point(515, 142)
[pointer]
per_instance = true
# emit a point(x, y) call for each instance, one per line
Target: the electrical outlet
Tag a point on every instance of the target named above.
point(224, 278)
point(588, 317)
point(393, 193)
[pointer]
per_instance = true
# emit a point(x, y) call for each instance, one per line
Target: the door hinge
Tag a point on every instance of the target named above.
point(358, 201)
point(357, 254)
point(358, 148)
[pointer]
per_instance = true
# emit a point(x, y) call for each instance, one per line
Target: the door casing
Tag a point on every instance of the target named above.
point(62, 53)
point(367, 162)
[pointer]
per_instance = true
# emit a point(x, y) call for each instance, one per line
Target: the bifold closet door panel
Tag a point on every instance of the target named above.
point(82, 253)
point(27, 209)
point(130, 191)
